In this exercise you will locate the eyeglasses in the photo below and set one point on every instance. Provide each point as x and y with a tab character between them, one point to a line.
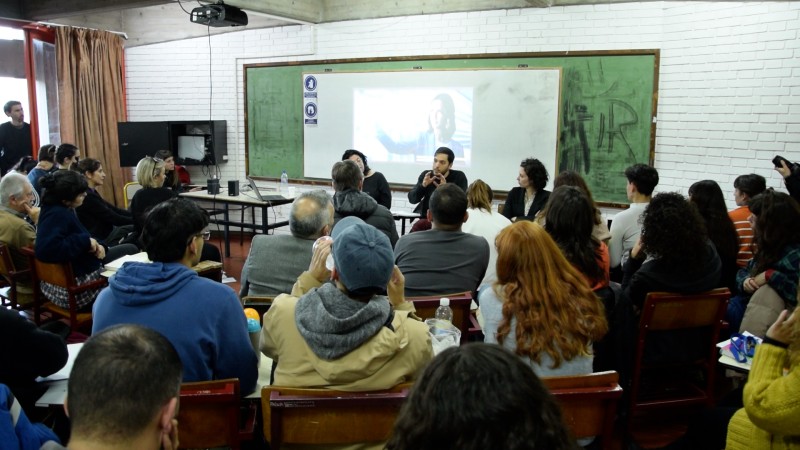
206	236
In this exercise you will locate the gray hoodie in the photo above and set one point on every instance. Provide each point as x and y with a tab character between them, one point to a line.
351	202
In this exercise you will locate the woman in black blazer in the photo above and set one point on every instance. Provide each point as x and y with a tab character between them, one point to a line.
525	201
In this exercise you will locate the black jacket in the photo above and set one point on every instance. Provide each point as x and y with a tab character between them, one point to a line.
422	195
100	217
515	204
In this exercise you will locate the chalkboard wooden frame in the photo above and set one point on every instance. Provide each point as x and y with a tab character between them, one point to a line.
590	101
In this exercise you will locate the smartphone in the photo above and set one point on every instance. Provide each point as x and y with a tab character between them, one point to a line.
777	161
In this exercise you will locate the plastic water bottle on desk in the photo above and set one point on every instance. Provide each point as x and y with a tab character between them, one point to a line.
443	312
284	182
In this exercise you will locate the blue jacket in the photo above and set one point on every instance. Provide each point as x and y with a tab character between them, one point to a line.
16	431
203	319
60	237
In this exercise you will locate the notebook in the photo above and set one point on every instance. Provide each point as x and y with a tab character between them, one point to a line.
259	195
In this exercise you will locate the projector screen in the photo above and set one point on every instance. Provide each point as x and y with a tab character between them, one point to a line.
491	119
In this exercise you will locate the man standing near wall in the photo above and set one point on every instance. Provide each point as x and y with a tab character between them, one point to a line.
15	137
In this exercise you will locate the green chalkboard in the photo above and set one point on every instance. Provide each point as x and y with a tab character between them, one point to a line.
607	105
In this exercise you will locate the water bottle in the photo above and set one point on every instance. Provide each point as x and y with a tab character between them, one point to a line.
284	182
443	312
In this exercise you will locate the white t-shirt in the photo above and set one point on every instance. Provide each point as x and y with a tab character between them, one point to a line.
625	229
488	226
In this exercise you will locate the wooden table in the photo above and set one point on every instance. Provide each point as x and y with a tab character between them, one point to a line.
241	200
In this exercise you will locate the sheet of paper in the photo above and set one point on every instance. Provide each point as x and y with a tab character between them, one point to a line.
117	263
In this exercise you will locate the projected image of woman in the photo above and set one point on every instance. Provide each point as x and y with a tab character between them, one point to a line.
440	132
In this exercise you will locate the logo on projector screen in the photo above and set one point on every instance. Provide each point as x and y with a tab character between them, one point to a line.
311	113
310	83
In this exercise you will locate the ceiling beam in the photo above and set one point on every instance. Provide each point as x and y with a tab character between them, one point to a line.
301	11
48	9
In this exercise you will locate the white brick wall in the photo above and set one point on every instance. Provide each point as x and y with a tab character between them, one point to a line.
729	84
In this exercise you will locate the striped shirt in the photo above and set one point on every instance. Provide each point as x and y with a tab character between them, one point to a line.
744	229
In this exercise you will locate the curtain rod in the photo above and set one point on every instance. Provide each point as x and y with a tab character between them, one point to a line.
119	33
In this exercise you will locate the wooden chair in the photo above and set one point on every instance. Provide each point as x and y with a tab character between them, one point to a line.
658	385
459	303
60	274
324	416
11	296
588	404
128	190
211	415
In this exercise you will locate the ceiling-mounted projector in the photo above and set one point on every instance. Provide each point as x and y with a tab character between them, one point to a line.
219	15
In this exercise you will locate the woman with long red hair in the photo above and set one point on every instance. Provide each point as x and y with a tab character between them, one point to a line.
541	307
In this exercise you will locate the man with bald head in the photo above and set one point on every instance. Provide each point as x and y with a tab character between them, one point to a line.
275	261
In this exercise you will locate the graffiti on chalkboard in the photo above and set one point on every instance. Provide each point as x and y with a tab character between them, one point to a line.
600	127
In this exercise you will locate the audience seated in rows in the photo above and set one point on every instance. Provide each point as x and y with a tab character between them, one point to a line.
485	223
625	227
46	164
123	392
745	187
61	238
532	309
150	172
346	334
527	199
348	200
203	319
67	155
571	178
478	397
707	196
17	221
375	184
775	217
276	260
569	219
176	177
672	254
443	260
104	221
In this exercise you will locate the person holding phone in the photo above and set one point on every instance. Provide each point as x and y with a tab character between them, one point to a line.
791	175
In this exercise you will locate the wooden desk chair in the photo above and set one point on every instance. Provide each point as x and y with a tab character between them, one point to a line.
210	415
128	190
588	403
11	296
459	303
324	416
60	274
658	385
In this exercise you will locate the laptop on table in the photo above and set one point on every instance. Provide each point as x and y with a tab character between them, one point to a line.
263	197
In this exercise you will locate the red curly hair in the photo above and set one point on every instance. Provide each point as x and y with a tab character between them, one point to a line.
557	313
